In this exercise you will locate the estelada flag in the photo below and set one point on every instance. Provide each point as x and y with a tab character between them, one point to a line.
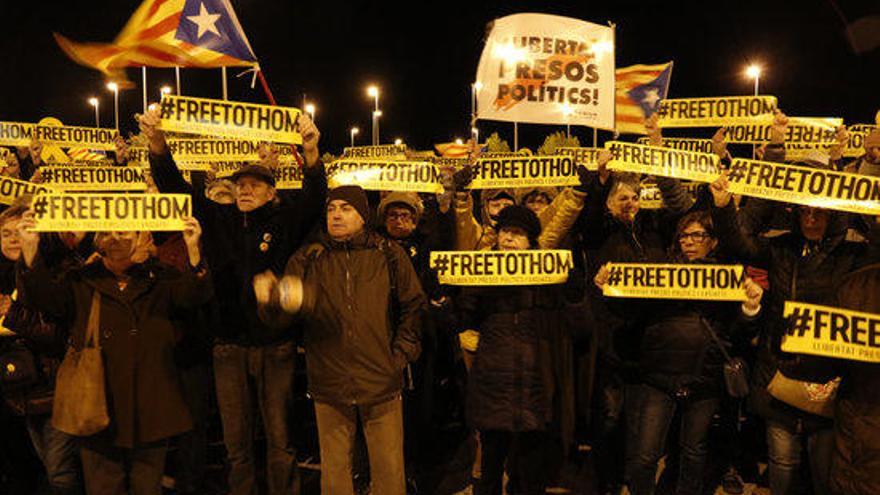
169	33
639	90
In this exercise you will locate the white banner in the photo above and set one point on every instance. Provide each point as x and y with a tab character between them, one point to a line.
547	69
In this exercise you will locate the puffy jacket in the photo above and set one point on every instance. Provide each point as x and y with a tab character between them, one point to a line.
556	221
144	398
797	271
240	245
855	463
358	336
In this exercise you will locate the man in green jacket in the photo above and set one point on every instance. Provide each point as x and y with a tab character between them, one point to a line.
362	306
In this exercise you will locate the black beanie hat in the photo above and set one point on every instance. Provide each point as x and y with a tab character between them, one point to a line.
522	217
353	195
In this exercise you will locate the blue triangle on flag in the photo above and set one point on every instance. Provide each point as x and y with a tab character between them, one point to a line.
648	95
210	24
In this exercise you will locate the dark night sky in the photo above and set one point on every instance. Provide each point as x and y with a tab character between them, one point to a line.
424	55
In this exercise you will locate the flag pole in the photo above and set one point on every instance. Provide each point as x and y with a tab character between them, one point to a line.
144	85
266	87
177	79
595	137
225	89
515	137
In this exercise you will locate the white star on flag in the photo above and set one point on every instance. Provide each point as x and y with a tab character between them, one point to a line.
205	21
651	97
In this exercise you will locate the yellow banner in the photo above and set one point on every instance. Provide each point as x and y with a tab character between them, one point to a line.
667	162
684	144
16	133
506	154
855	147
710	112
527	267
449	162
526	171
110	212
801	130
588	157
288	175
384	151
139	156
232	119
805	186
650	197
831	332
93	138
95	178
218	150
86	163
676	281
381	175
11	189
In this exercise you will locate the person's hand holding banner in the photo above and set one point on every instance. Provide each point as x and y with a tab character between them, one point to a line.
36	151
655	137
192	233
605	156
463	177
310	137
841	139
30	240
719	143
754	292
602	276
121	150
149	125
779	128
721	190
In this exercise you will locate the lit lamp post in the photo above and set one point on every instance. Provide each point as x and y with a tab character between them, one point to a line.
458	141
164	90
475	90
475	133
373	91
95	103
310	109
566	112
398	142
354	132
115	88
754	71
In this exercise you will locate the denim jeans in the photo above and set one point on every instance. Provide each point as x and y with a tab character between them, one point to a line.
59	453
263	374
383	430
785	450
657	410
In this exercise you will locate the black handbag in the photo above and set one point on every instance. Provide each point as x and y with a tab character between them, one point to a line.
736	370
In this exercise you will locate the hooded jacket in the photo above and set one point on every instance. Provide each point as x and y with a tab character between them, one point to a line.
359	336
240	245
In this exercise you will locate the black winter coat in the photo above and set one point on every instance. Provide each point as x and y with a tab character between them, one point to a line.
511	386
240	245
797	271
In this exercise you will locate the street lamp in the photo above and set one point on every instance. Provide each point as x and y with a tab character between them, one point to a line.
310	109
95	103
112	86
458	141
475	133
354	132
754	71
164	90
398	142
373	92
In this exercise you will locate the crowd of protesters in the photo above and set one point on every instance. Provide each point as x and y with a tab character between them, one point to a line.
538	374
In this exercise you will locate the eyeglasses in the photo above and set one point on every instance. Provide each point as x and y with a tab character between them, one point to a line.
695	236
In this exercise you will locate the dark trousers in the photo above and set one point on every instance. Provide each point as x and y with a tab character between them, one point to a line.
522	453
57	451
263	374
383	431
192	446
657	410
109	470
785	452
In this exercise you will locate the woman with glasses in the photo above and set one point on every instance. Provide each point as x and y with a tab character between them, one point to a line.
681	363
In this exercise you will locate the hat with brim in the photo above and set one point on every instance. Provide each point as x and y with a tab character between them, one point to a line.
257	171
